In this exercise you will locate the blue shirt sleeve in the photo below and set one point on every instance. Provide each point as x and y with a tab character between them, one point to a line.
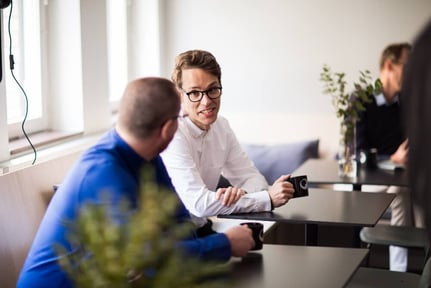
213	247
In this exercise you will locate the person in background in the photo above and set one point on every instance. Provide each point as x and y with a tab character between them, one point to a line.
146	124
380	127
380	124
205	147
417	112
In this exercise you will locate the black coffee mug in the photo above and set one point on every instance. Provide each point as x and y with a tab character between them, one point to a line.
372	158
257	229
300	184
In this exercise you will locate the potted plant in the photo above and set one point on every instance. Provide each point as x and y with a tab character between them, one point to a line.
348	106
141	252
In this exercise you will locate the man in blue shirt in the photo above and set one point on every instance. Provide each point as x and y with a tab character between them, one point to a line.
146	124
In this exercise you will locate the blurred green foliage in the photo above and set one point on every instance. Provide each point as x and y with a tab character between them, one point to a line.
141	251
348	105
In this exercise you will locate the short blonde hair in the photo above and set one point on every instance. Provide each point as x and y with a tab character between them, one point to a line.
195	59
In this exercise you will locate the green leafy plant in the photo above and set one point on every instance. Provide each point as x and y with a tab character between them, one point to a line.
141	251
349	104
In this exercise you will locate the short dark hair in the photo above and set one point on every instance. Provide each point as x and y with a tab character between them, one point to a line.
394	52
195	59
146	104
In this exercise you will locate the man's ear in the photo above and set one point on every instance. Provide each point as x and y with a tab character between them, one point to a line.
168	129
388	65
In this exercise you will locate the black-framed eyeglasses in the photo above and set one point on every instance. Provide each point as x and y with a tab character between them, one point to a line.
196	95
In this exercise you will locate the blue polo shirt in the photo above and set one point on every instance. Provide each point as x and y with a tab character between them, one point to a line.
110	166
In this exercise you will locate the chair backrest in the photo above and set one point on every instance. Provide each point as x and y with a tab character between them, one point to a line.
404	236
425	281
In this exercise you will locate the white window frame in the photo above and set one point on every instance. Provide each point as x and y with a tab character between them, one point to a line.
117	36
75	82
28	66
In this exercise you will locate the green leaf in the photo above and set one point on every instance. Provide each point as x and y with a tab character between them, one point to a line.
147	240
347	105
359	106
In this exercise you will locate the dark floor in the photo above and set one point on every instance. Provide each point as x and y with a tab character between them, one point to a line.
337	236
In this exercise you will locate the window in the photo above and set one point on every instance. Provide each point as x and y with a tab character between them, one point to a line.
25	31
117	49
28	44
72	59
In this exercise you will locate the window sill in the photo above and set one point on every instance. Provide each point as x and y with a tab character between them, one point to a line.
39	140
49	145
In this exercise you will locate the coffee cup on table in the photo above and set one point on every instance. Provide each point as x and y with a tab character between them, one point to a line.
300	184
257	229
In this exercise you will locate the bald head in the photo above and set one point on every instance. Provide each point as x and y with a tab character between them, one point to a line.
147	103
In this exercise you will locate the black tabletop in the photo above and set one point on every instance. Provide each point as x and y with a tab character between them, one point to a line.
323	171
324	206
297	266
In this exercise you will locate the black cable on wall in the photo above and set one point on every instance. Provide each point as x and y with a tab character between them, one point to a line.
12	66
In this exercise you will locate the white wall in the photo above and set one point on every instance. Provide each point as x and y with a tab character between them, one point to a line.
272	51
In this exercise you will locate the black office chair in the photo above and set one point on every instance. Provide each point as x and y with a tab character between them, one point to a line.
408	237
376	278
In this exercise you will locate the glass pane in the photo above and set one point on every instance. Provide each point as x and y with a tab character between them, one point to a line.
25	36
117	47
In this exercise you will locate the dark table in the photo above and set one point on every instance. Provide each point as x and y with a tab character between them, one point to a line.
297	266
324	206
323	171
